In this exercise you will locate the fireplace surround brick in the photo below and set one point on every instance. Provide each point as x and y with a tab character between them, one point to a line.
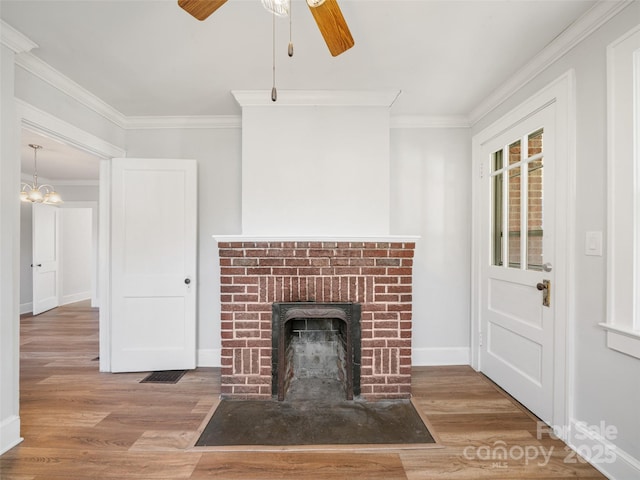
254	275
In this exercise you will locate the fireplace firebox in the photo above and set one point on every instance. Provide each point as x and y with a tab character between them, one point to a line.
316	350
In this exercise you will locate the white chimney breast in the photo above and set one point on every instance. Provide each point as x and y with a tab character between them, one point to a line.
315	163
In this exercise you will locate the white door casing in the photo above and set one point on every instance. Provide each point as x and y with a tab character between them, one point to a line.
153	251
46	255
506	303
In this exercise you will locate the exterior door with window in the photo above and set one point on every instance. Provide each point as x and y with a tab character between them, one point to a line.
517	304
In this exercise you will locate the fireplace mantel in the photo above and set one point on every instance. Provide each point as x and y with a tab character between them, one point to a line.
316	238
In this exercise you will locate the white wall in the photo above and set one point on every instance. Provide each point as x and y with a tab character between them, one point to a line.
430	197
321	170
77	254
606	384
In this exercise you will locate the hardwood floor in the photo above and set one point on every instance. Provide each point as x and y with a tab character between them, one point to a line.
81	424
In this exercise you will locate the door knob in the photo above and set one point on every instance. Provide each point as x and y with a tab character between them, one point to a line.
547	267
544	286
187	280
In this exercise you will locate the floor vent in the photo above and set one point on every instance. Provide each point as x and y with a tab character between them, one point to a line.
167	376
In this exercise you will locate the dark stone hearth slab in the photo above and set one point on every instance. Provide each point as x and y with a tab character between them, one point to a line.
265	422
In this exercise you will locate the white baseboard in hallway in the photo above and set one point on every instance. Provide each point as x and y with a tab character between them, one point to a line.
75	297
26	308
436	356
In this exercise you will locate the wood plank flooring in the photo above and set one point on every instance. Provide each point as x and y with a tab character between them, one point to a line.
81	424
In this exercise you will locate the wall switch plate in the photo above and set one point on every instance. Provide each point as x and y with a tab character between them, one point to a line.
593	244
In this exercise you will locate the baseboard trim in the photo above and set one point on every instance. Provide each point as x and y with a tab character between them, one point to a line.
26	308
441	356
589	442
76	297
209	357
9	433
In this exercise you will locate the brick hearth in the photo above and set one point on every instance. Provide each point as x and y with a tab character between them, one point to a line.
254	275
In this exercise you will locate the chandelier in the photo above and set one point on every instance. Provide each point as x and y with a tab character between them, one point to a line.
35	193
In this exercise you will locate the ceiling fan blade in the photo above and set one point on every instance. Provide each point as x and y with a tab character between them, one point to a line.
333	27
201	9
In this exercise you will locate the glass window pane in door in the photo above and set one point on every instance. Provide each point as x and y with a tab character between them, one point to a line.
496	161
496	222
535	204
497	226
515	214
514	153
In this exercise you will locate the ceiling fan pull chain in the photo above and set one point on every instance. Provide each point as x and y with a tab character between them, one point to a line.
274	92
290	50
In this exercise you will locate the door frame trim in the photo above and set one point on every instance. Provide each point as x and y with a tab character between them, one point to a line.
561	93
43	123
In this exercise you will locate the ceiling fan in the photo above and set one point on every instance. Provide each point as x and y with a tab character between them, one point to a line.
326	13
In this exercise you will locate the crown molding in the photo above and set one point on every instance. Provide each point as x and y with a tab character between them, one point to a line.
593	19
421	121
26	178
44	123
46	72
314	98
14	39
203	121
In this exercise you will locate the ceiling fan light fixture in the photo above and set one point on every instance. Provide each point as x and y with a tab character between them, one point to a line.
277	7
315	3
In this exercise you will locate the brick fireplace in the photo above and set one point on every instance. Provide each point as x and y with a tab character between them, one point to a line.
377	275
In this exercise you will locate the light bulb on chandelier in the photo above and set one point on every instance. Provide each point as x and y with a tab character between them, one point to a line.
277	7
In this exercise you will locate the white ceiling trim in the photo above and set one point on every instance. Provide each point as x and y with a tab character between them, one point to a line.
420	121
201	121
46	72
593	19
15	40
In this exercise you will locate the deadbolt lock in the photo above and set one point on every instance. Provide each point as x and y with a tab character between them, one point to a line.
545	288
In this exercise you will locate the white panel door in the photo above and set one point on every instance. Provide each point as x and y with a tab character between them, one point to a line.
45	257
154	218
517	324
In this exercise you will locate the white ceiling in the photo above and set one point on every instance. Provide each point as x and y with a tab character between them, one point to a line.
149	57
